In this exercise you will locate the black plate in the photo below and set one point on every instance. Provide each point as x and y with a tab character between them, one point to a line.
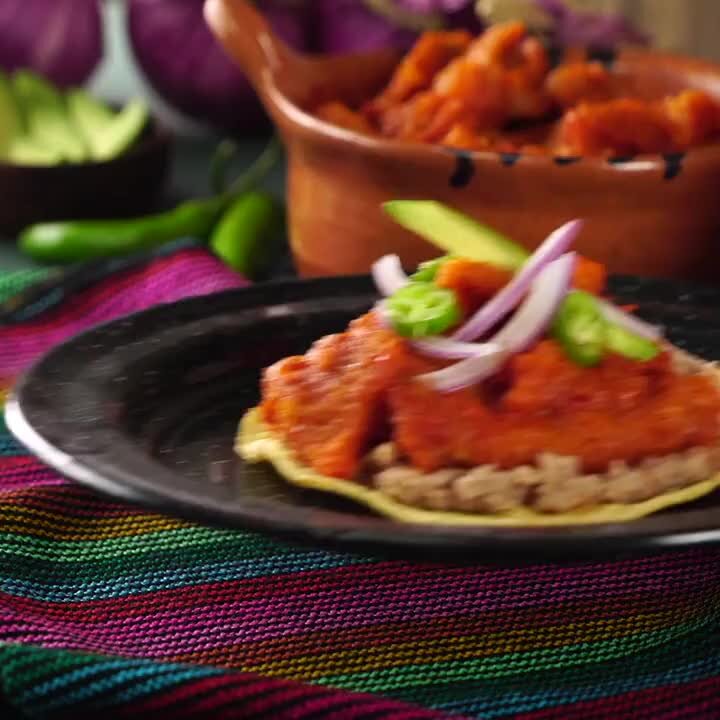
145	409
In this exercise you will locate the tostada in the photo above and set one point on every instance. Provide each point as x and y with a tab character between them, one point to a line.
492	387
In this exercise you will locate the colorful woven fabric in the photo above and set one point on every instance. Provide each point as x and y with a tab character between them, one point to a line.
106	608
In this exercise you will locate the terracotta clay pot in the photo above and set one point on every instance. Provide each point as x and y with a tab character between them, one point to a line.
653	215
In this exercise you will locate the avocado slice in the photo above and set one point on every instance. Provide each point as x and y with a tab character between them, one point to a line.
46	118
456	233
90	115
10	119
23	151
122	131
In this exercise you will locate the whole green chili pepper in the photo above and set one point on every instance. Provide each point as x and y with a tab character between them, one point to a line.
247	236
223	156
72	241
66	242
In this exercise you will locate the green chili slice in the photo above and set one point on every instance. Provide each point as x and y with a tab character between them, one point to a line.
420	309
581	328
623	342
427	271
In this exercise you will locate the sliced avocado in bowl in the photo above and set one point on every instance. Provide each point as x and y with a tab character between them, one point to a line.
89	115
110	136
43	125
46	119
16	146
23	151
10	118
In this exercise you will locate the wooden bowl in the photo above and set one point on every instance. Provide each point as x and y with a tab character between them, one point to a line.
650	215
127	186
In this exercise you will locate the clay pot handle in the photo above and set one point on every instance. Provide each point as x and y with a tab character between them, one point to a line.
246	36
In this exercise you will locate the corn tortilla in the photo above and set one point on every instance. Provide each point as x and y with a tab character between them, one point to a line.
257	443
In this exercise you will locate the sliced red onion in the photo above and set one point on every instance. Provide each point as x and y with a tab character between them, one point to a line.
631	323
526	326
389	275
509	297
382	312
448	349
486	362
540	306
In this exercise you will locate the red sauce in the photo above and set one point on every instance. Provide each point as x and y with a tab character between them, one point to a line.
622	410
330	404
467	92
475	282
358	388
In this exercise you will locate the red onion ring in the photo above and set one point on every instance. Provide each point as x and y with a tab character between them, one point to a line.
388	275
528	324
508	298
539	308
471	371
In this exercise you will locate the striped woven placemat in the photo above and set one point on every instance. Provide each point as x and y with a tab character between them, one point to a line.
107	608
